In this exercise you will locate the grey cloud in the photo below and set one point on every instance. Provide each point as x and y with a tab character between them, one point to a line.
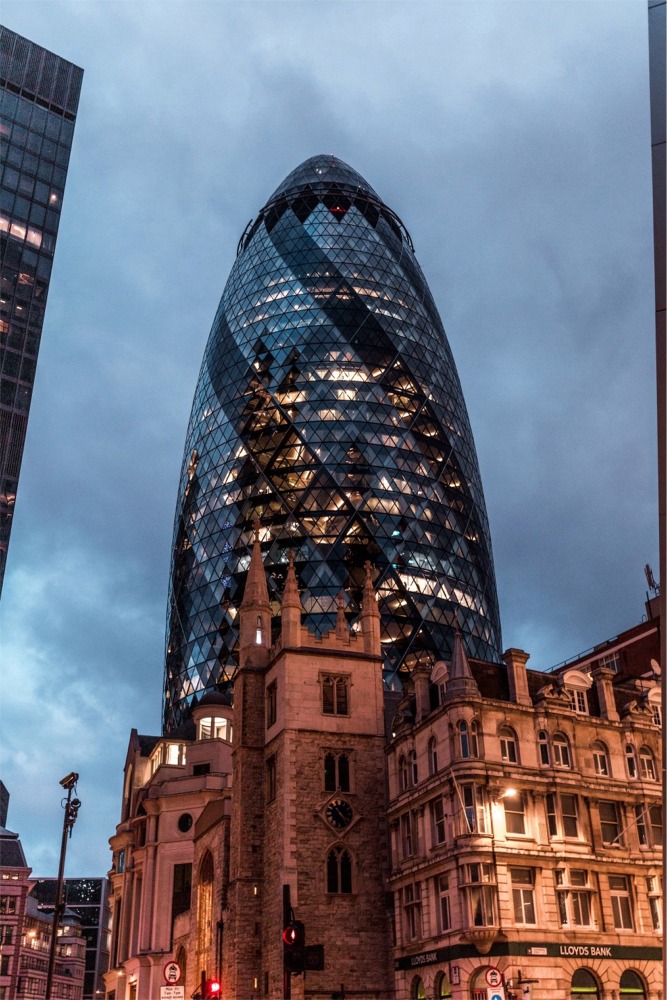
511	138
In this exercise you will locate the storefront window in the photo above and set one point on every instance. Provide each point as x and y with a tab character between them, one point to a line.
584	986
443	987
418	991
632	984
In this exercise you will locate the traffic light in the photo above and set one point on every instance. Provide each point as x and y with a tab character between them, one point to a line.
212	989
294	947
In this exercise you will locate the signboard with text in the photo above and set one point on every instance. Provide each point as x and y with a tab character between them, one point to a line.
172	993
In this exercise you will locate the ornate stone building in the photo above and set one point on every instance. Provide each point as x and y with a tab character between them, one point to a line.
165	884
307	812
503	828
526	822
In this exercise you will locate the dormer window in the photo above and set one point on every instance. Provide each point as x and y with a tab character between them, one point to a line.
576	684
579	701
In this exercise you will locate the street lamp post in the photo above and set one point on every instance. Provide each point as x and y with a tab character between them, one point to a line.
71	807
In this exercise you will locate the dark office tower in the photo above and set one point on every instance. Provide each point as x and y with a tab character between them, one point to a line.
89	899
328	407
39	94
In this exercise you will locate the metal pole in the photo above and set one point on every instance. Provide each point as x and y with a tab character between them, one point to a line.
287	918
71	809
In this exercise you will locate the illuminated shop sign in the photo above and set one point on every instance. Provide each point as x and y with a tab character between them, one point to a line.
518	948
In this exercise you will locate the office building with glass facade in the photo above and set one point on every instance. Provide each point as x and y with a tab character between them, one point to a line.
39	96
329	408
88	899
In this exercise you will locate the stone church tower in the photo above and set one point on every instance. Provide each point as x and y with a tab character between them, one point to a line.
309	800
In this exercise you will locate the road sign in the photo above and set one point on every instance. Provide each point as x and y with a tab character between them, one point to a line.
495	993
493	976
314	958
172	993
171	972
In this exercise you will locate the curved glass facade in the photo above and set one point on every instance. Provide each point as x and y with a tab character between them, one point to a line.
329	407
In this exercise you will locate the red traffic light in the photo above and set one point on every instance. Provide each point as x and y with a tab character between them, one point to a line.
293	935
212	989
294	950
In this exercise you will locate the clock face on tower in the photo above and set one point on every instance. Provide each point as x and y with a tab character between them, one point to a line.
339	813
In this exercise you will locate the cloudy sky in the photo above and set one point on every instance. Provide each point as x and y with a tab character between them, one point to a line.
513	140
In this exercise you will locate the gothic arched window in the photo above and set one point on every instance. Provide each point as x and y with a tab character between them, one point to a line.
464	739
339	870
433	755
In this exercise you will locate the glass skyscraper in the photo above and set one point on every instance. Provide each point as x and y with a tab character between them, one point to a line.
39	96
89	899
329	408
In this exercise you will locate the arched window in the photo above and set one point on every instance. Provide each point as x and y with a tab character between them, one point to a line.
403	779
646	764
508	745
600	759
336	772
464	739
417	989
632	984
205	912
329	772
631	760
344	772
334	695
433	755
339	870
584	986
561	751
474	738
258	631
414	773
543	745
442	986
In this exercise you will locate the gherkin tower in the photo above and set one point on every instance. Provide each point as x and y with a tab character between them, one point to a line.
329	408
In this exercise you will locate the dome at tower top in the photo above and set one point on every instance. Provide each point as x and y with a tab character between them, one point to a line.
323	171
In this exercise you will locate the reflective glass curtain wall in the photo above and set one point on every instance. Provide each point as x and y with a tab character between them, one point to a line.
328	407
39	96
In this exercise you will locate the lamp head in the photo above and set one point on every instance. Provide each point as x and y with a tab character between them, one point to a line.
508	793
